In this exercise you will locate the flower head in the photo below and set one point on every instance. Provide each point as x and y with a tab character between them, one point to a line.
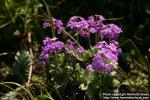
89	68
58	24
46	41
95	23
111	31
45	25
70	46
96	20
50	46
55	47
110	51
84	33
80	50
100	64
77	23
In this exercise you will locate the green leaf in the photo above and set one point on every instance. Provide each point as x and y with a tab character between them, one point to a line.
37	79
83	86
4	25
116	83
43	97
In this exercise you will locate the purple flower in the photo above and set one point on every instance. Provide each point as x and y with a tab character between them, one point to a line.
113	46
50	46
109	54
58	24
100	17
89	68
44	56
69	46
46	41
80	50
77	23
92	30
110	51
45	25
111	31
95	23
108	68
84	33
99	64
96	20
55	47
101	44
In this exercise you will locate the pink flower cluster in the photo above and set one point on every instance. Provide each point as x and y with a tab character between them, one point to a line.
107	52
50	45
94	24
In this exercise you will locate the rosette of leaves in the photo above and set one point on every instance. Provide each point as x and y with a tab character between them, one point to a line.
20	67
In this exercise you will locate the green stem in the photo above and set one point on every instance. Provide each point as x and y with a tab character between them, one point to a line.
4	25
58	93
71	37
96	38
77	37
101	84
49	95
50	18
89	41
56	64
130	41
115	18
67	78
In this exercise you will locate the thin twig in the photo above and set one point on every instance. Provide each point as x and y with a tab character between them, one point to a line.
32	56
120	18
134	45
71	37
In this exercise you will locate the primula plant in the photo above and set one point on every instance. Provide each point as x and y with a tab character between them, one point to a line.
78	63
79	58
